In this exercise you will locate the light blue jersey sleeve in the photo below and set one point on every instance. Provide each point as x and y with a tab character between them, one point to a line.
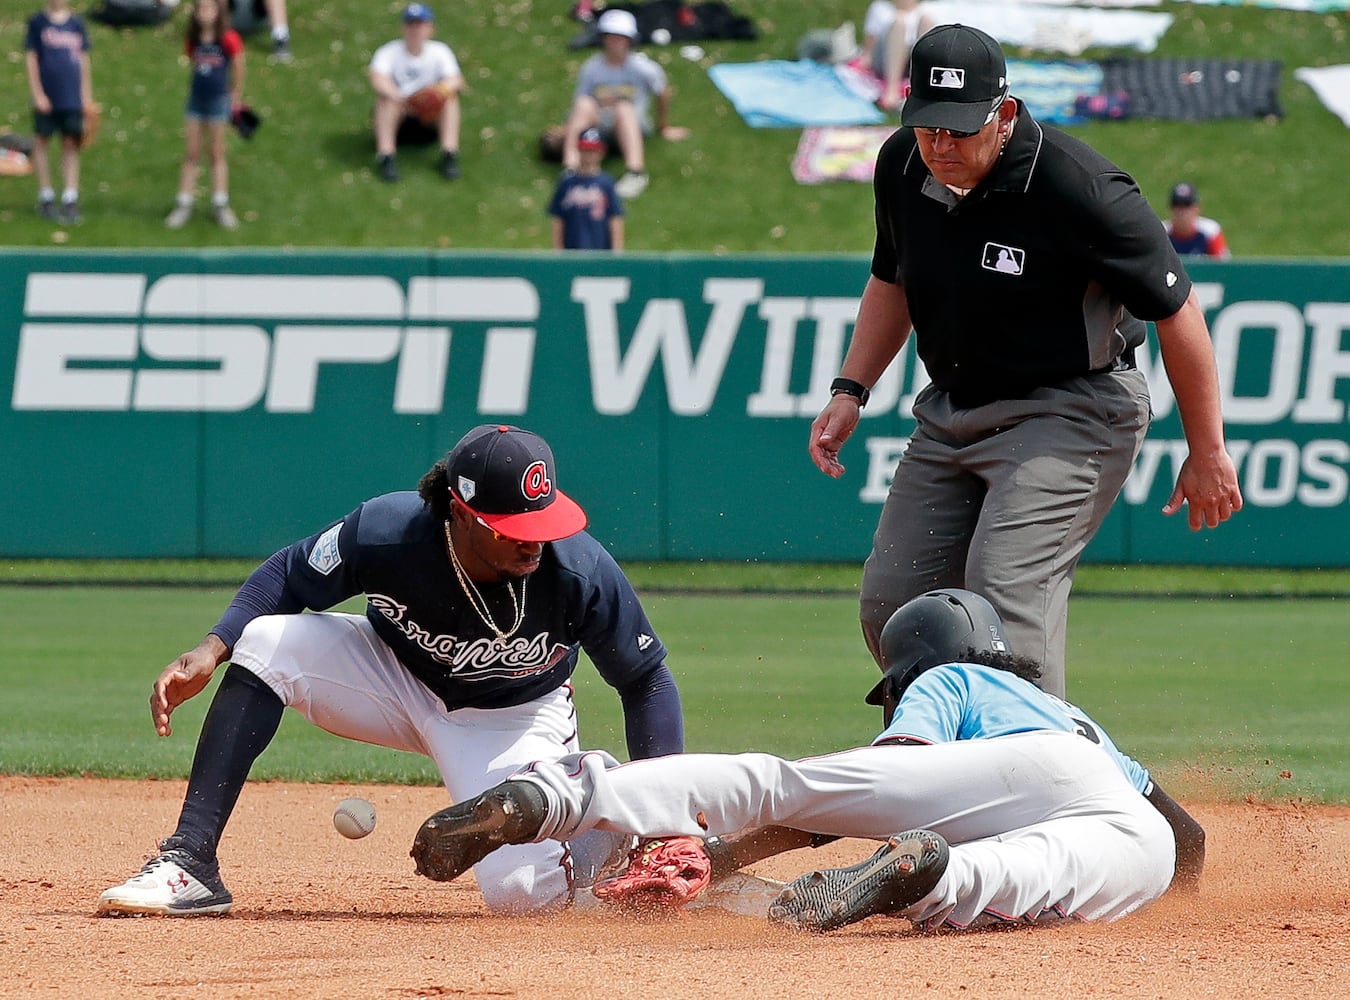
965	701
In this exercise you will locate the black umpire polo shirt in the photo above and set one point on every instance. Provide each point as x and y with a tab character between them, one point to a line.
1039	274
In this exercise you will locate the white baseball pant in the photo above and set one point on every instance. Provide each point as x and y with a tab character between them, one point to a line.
1041	821
336	671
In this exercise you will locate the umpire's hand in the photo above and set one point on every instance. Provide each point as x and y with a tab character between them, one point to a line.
830	430
184	678
1208	486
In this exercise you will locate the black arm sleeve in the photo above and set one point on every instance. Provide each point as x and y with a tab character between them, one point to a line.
1190	839
653	719
263	593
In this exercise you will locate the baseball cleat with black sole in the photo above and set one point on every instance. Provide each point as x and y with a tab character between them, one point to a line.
453	840
171	884
898	875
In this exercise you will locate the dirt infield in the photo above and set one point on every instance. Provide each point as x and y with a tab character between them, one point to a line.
319	916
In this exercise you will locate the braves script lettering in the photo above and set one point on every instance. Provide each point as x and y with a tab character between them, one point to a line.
477	659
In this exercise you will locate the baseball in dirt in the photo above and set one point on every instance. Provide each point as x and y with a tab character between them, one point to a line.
354	818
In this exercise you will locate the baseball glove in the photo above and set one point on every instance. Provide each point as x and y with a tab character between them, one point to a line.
245	120
426	104
93	118
661	874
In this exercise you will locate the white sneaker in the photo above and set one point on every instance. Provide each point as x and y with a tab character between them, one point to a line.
173	884
225	217
178	218
631	184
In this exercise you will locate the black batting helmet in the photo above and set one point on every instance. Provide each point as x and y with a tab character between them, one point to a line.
934	628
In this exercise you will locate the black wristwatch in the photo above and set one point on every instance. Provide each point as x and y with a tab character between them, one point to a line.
848	387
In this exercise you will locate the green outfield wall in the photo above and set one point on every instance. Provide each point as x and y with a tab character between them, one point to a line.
225	403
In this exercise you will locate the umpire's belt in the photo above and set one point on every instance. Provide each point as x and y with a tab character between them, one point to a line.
1124	363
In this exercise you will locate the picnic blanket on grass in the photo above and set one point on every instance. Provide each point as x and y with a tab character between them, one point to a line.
1196	89
1049	28
1050	89
839	153
778	93
1331	84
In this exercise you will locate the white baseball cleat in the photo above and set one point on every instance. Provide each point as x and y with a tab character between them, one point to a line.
173	884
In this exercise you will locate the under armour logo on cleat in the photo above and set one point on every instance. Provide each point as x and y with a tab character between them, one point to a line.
177	883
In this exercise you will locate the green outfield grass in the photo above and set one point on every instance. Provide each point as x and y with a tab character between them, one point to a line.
728	577
1218	696
306	180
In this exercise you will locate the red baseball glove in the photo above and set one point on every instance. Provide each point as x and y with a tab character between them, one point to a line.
426	104
661	874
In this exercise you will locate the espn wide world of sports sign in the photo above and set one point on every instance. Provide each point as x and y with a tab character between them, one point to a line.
215	404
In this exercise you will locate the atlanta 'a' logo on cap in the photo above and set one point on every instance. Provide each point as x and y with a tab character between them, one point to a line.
947	77
535	483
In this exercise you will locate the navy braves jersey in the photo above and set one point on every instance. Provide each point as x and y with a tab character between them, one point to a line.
585	203
1206	240
1039	274
211	63
394	552
967	701
59	48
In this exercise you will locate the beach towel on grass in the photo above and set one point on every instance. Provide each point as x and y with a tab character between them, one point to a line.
777	93
1196	89
839	153
1320	6
1331	84
1048	28
1050	89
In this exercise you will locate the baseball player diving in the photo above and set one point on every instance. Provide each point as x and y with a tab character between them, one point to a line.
997	802
481	587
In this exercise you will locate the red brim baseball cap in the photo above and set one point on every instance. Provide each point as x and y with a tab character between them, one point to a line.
560	519
507	477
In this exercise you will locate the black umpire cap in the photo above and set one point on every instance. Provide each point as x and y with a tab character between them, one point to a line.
958	78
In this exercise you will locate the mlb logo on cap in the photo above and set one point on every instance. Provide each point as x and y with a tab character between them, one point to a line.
952	77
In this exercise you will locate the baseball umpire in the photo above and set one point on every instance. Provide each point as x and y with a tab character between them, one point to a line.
481	587
1023	810
1025	263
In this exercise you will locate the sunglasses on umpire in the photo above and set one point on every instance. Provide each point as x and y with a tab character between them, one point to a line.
951	133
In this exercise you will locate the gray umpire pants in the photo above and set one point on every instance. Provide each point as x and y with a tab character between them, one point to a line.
1002	499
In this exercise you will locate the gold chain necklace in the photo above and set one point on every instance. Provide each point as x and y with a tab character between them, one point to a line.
476	600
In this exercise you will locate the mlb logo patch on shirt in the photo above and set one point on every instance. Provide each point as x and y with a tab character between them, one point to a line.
325	556
1004	259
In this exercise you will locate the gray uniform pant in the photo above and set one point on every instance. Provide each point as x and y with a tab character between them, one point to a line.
1002	499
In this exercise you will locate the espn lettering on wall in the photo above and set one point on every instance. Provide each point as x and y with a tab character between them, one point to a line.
218	404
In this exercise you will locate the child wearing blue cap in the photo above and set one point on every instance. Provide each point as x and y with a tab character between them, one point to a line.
417	81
